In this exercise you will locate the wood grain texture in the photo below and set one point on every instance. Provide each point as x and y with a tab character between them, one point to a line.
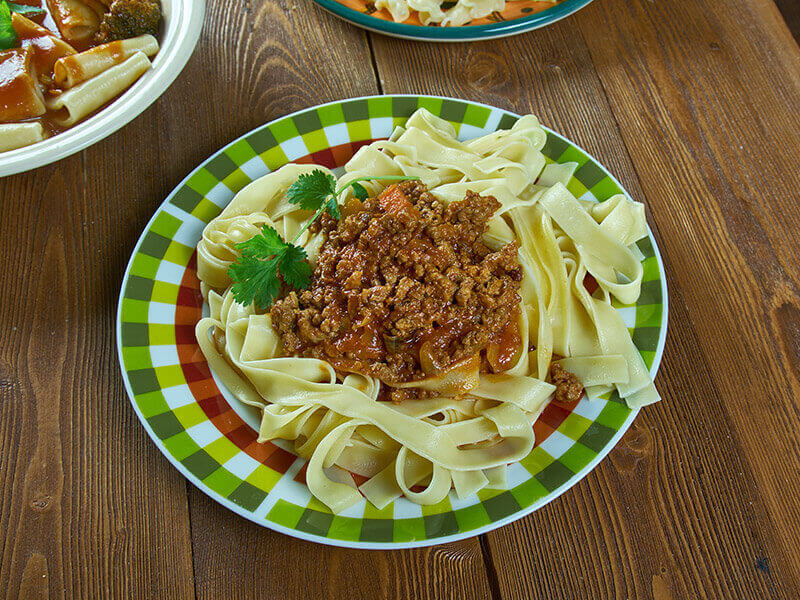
723	108
88	510
270	565
690	508
694	109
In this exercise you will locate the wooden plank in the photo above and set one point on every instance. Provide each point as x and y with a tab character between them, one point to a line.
790	9
680	515
716	156
88	507
285	57
271	565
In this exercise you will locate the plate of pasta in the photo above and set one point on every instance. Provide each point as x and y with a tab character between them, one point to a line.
452	21
392	321
74	71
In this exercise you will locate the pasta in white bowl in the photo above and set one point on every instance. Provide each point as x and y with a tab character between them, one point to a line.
77	71
391	415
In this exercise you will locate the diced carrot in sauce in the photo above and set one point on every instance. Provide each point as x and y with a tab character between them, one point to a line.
395	202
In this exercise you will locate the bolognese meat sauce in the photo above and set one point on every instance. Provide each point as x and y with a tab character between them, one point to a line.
404	287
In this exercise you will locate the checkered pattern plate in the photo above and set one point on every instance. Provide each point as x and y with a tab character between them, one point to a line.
210	437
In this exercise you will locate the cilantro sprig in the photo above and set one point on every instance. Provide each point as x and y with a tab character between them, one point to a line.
267	261
24	9
263	257
8	35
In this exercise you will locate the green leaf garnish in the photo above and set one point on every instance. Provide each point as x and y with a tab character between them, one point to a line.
255	281
8	36
267	260
294	267
311	190
24	9
359	191
264	257
267	243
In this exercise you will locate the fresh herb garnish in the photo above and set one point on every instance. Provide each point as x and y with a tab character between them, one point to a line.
256	272
24	9
266	259
8	36
312	190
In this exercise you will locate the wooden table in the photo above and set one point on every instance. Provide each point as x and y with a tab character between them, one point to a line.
692	104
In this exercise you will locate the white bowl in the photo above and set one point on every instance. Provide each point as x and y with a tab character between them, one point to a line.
183	20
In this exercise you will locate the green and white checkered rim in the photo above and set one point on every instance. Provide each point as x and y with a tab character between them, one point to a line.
210	437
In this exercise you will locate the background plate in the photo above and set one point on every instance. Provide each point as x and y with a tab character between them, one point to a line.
183	21
518	16
210	437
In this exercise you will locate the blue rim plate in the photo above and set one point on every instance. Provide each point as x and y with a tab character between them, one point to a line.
462	33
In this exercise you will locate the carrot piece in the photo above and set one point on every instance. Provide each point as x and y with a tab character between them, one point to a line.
395	202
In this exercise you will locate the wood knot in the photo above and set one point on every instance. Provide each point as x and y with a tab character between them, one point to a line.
786	317
7	380
486	73
762	564
41	501
454	553
635	446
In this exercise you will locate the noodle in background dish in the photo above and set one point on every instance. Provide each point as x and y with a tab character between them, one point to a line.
423	448
432	12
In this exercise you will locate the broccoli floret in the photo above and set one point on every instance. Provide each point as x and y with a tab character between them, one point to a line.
129	18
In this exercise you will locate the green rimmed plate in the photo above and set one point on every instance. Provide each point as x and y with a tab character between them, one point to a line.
210	437
517	16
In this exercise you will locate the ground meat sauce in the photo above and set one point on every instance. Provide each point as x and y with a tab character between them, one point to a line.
404	287
568	387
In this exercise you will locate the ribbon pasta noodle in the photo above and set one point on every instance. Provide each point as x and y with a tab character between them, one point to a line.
431	12
473	424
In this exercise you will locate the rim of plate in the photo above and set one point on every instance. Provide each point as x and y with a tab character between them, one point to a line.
184	22
391	545
461	33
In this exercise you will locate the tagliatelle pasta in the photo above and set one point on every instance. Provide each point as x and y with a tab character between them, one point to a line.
424	447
